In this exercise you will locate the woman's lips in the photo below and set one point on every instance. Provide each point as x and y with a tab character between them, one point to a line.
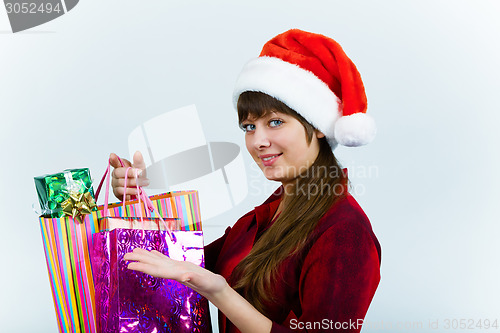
268	160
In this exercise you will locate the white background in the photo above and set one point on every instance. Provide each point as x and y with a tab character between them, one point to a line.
72	89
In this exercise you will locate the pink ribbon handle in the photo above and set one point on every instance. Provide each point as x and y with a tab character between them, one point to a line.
148	204
141	196
106	195
106	173
106	177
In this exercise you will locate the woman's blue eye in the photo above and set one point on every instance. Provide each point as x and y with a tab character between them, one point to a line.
275	122
247	127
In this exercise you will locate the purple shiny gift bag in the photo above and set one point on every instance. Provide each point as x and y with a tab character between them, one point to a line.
130	301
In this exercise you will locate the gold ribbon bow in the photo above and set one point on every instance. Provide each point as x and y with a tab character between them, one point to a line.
78	204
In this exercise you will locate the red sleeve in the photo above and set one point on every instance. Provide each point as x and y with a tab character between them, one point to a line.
338	280
213	249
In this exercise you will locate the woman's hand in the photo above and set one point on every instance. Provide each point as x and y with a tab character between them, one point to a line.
118	175
195	277
212	286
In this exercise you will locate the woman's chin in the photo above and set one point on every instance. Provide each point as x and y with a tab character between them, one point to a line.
273	176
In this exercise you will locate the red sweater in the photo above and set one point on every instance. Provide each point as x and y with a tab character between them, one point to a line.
330	289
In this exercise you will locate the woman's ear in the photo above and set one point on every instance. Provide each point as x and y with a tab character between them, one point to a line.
319	134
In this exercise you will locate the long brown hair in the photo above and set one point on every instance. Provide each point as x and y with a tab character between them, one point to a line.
302	210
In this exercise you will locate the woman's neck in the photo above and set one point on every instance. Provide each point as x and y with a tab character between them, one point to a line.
288	189
279	209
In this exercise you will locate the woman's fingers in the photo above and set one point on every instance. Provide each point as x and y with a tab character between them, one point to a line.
115	161
131	183
138	266
118	190
165	264
139	163
155	264
118	176
158	254
118	182
119	173
146	256
159	265
138	252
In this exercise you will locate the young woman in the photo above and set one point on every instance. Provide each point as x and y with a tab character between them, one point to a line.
307	258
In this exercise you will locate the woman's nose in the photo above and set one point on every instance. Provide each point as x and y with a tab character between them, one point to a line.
261	139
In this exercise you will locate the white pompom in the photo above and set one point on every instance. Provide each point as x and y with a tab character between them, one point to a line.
355	130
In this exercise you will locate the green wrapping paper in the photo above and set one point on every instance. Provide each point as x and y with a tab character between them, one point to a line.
58	191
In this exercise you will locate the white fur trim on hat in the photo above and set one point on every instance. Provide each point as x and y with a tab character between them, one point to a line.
355	130
298	88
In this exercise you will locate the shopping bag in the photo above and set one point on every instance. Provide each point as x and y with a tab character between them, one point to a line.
130	301
111	223
176	204
67	242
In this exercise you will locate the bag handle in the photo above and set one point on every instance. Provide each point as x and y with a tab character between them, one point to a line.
106	177
125	190
148	204
106	173
141	194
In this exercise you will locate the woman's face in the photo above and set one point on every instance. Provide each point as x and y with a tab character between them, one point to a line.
278	144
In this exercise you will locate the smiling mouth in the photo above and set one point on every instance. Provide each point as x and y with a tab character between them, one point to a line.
271	157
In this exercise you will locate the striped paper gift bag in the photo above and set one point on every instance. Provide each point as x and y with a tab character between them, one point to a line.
177	204
68	243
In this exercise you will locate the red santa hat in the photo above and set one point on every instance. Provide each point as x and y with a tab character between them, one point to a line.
312	75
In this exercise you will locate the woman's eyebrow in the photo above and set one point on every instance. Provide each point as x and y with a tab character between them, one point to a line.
253	118
269	114
266	115
248	119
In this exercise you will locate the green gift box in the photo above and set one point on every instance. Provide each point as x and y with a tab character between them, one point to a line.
55	191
